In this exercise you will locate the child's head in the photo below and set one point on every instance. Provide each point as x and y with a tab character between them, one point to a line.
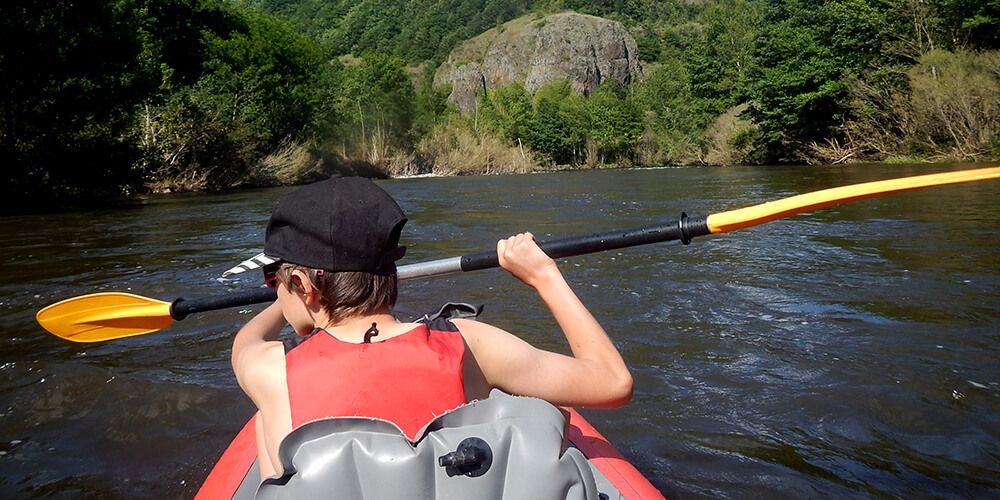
343	294
342	234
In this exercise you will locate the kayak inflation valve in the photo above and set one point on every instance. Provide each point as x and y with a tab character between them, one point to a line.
472	458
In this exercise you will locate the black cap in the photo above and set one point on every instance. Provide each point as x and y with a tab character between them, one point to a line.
340	224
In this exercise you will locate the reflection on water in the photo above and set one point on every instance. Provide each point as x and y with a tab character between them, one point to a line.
848	352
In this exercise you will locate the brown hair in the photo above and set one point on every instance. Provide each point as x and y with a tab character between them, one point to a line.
345	294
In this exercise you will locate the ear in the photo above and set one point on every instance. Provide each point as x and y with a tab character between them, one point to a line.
303	285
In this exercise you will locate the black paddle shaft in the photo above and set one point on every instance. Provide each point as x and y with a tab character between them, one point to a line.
181	308
682	229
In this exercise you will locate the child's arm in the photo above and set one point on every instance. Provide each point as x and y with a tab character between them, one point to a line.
595	375
263	327
259	364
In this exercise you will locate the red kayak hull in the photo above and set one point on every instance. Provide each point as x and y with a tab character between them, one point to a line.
232	467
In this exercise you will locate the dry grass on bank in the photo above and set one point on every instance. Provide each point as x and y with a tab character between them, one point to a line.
667	148
723	138
451	148
185	181
950	110
403	164
455	148
290	163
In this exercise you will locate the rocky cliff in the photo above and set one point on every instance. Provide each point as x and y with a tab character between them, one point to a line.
585	50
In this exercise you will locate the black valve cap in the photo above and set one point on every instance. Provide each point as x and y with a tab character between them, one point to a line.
472	458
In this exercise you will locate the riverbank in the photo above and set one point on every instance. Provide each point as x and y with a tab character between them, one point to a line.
451	151
472	156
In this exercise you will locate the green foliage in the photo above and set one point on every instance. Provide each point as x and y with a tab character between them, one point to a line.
634	11
556	126
720	58
667	96
648	46
673	119
920	26
413	31
968	24
376	96
430	104
101	97
950	108
172	35
615	122
69	81
559	124
260	83
506	110
801	59
264	77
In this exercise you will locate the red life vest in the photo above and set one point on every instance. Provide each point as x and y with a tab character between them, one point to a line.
408	379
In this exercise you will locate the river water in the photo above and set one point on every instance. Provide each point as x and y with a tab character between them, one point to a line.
853	351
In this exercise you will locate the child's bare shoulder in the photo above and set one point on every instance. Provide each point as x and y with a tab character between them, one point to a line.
262	366
474	328
483	336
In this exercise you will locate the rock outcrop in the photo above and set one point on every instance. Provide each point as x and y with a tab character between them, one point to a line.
585	50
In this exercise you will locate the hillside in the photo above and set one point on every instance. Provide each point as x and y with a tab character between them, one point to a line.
414	30
427	30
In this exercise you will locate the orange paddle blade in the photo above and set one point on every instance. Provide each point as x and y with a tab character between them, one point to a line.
732	220
104	316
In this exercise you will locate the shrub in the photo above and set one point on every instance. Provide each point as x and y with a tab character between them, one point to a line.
946	107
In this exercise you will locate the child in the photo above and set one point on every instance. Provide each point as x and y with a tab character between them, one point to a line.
337	242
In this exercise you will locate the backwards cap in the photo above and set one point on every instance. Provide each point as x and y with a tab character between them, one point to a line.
339	224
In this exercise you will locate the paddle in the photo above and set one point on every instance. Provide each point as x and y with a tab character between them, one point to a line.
113	315
106	316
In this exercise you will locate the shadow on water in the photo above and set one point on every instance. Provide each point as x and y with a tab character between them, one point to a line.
847	352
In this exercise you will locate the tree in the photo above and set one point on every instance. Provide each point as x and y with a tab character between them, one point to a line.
968	24
413	31
802	56
720	59
430	104
949	108
259	84
376	103
69	80
506	110
615	123
673	118
557	124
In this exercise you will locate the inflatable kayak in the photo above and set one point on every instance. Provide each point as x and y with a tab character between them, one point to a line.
501	447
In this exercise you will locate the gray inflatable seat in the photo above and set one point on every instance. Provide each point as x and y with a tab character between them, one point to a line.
504	447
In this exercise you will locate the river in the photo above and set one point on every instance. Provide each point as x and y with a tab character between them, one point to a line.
853	351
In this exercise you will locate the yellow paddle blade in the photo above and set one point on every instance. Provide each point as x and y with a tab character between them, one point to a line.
104	316
732	220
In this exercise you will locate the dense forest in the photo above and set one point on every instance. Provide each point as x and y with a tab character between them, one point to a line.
102	98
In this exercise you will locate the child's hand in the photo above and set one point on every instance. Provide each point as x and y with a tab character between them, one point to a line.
521	256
